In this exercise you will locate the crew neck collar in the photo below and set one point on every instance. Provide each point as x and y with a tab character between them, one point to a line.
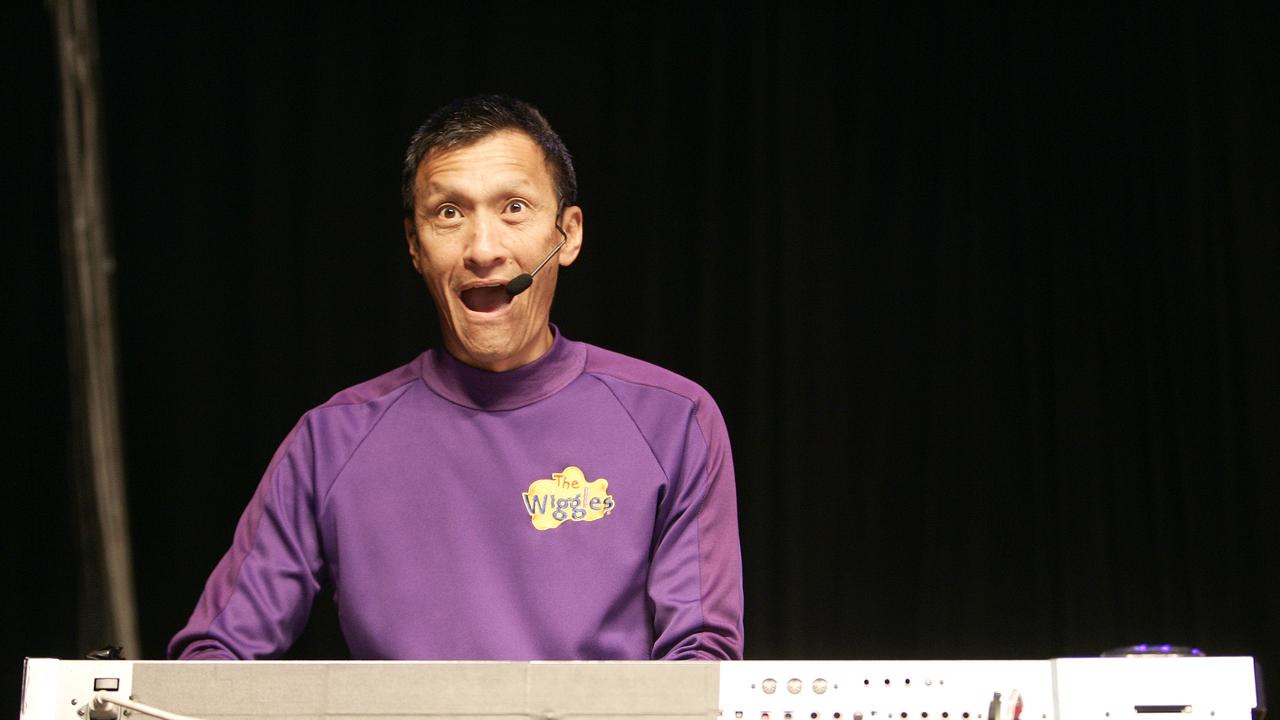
486	390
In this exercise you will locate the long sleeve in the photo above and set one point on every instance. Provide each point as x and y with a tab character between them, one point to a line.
259	597
695	580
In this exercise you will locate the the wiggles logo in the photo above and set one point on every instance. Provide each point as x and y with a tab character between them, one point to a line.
567	496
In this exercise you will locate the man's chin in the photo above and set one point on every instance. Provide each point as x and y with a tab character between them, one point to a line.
494	350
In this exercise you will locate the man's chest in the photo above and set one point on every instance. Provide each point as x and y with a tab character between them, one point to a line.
575	478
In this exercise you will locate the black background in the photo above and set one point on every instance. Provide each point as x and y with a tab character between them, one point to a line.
987	297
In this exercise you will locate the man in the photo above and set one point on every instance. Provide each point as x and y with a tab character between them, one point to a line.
518	496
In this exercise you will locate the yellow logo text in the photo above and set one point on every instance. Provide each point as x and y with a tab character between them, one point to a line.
567	496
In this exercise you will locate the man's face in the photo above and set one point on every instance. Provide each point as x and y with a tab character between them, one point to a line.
483	214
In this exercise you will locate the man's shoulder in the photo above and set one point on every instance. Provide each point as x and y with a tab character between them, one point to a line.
608	364
344	420
387	386
634	381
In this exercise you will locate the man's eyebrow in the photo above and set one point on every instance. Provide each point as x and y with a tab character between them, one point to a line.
505	189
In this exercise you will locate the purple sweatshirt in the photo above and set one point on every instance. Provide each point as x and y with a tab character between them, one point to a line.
580	507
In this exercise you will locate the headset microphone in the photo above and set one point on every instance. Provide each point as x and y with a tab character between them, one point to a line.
521	282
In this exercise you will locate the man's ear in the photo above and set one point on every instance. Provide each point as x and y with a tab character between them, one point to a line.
411	236
571	223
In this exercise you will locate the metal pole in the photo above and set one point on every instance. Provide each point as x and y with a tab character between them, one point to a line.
87	270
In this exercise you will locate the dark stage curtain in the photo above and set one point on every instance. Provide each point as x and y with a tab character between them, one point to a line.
988	298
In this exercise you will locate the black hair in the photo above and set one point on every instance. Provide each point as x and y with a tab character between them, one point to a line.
468	120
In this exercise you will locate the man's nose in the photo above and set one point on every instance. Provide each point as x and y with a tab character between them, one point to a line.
486	248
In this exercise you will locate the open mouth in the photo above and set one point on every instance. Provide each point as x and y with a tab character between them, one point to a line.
486	299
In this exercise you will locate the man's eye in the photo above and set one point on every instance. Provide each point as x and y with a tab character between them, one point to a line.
448	212
516	206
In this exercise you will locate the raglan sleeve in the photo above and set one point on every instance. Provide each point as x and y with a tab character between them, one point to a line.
695	581
258	599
